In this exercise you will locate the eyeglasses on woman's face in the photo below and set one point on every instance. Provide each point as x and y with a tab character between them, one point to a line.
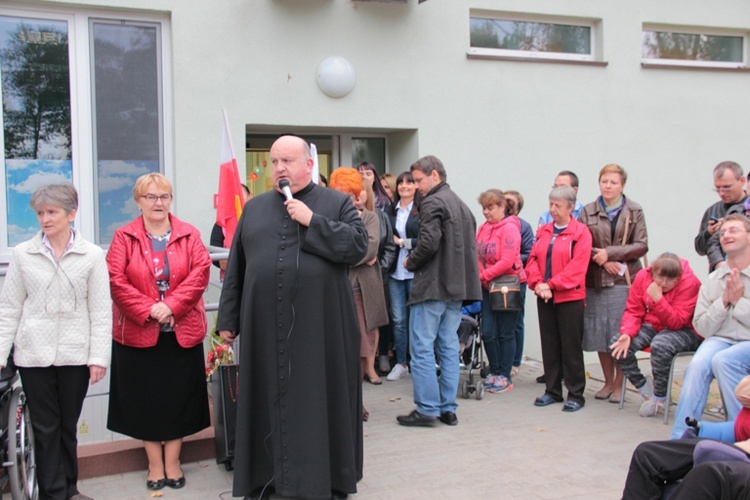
152	198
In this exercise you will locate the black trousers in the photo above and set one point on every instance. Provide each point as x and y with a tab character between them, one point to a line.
55	397
715	481
561	330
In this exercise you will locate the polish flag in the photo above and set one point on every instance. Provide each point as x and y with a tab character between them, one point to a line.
231	197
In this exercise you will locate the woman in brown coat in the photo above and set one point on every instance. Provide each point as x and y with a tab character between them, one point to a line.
365	277
620	239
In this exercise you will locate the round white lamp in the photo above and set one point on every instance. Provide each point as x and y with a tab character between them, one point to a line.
336	76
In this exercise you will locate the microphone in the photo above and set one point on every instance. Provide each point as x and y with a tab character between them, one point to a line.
284	186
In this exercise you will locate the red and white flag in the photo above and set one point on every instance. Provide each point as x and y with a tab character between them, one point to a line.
231	196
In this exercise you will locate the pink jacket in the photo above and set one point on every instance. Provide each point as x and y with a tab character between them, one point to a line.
133	284
499	250
673	312
571	252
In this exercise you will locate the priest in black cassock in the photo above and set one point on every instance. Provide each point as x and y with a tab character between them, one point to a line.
299	420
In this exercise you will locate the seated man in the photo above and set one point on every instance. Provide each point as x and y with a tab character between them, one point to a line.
657	463
658	313
722	317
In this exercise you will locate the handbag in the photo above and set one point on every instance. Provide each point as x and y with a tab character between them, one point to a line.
505	293
505	290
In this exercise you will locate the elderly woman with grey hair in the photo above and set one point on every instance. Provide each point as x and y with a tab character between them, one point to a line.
556	272
57	312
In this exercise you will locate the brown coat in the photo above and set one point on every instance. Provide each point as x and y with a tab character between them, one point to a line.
635	247
369	278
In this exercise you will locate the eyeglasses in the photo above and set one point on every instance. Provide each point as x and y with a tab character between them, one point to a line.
734	231
722	189
151	198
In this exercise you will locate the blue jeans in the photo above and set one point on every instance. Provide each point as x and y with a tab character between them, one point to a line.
433	325
716	357
518	357
399	290
498	337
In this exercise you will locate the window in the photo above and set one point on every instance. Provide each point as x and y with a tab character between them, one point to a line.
693	47
510	35
79	89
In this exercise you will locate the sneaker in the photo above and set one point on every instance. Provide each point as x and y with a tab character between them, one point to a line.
501	384
489	380
651	407
397	372
647	390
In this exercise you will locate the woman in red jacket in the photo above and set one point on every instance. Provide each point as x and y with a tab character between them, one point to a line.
499	254
556	272
159	269
658	313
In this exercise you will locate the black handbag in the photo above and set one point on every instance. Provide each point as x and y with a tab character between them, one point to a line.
505	293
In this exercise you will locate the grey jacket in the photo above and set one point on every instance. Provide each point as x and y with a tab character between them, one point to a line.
444	262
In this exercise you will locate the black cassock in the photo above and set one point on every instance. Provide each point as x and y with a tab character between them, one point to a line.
286	292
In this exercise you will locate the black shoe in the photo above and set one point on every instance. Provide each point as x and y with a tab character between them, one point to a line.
261	493
416	419
156	485
448	418
546	399
540	379
338	495
570	406
175	483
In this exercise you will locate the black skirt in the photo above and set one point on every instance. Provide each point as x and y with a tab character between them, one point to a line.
158	393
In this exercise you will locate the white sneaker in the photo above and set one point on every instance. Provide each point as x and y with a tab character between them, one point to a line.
647	391
397	372
650	407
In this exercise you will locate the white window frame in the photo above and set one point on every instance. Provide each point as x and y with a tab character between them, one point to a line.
488	53
697	30
81	105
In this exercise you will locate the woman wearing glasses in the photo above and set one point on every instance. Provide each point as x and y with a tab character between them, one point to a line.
56	310
158	270
658	313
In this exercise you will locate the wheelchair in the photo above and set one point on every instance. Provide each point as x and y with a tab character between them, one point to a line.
16	440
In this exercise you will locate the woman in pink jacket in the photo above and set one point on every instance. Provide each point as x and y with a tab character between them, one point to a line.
158	269
499	254
556	271
658	313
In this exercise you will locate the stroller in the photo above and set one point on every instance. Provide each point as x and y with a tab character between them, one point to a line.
471	354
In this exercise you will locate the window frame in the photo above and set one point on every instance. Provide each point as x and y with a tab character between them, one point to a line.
84	172
696	30
594	24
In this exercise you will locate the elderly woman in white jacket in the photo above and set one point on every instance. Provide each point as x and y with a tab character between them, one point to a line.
57	312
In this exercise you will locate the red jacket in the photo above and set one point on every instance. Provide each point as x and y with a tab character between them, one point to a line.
673	312
571	252
499	250
133	284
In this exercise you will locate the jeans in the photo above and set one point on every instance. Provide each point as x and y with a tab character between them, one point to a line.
725	360
399	290
433	325
518	357
498	337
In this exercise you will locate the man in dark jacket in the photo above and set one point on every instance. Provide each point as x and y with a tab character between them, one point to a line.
729	182
287	294
445	270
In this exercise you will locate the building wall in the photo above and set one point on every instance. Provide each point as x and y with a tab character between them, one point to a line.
504	124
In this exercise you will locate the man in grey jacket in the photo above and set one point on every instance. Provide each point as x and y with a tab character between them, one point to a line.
444	264
729	183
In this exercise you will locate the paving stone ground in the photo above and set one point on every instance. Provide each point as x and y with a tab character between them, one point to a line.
504	447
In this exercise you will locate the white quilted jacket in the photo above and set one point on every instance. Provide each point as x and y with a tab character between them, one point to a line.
56	314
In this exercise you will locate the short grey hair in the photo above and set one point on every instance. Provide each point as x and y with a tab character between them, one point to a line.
565	193
64	196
